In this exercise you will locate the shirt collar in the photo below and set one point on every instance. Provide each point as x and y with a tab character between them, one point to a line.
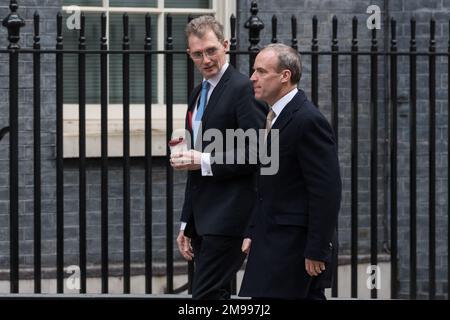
280	104
213	81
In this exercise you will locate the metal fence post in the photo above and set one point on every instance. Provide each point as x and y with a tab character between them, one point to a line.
13	22
254	25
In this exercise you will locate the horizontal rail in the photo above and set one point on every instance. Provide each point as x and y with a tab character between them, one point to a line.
349	53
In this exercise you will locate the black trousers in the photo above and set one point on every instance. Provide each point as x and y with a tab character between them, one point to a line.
316	294
217	259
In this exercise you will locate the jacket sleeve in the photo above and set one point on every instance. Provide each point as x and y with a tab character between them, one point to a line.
186	211
317	154
252	223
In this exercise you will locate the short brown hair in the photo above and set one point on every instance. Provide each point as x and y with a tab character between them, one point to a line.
199	26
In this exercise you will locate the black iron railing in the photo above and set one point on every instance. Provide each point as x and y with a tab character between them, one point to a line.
14	22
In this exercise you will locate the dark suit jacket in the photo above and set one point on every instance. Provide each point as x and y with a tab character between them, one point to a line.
296	210
222	204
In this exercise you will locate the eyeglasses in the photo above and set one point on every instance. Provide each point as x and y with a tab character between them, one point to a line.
210	53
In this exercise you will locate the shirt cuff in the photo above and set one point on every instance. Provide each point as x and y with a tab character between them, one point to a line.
206	164
183	226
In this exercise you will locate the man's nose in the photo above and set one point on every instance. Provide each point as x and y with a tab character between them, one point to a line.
206	59
253	77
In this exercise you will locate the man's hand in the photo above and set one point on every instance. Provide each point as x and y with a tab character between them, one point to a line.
184	245
186	160
246	243
314	267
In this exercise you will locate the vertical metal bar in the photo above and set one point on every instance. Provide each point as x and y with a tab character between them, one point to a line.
14	169
335	125
432	163
274	29
126	156
252	58
393	160
148	156
254	25
354	161
13	22
37	154
190	63
190	88
294	42
335	79
59	161
373	155
314	64
413	165
169	170
82	151
233	43
448	165
104	150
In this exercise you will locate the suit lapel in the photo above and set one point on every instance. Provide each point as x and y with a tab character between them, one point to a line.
288	112
215	96
212	102
194	96
190	111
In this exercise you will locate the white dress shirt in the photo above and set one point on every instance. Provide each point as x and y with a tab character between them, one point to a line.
280	104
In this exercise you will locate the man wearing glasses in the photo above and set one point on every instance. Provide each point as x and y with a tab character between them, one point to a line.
219	196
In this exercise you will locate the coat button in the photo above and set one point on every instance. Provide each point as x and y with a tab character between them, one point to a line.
331	245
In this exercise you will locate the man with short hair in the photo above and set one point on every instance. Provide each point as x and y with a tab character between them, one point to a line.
291	236
219	196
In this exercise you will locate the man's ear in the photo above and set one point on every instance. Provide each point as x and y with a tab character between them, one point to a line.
286	76
226	44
